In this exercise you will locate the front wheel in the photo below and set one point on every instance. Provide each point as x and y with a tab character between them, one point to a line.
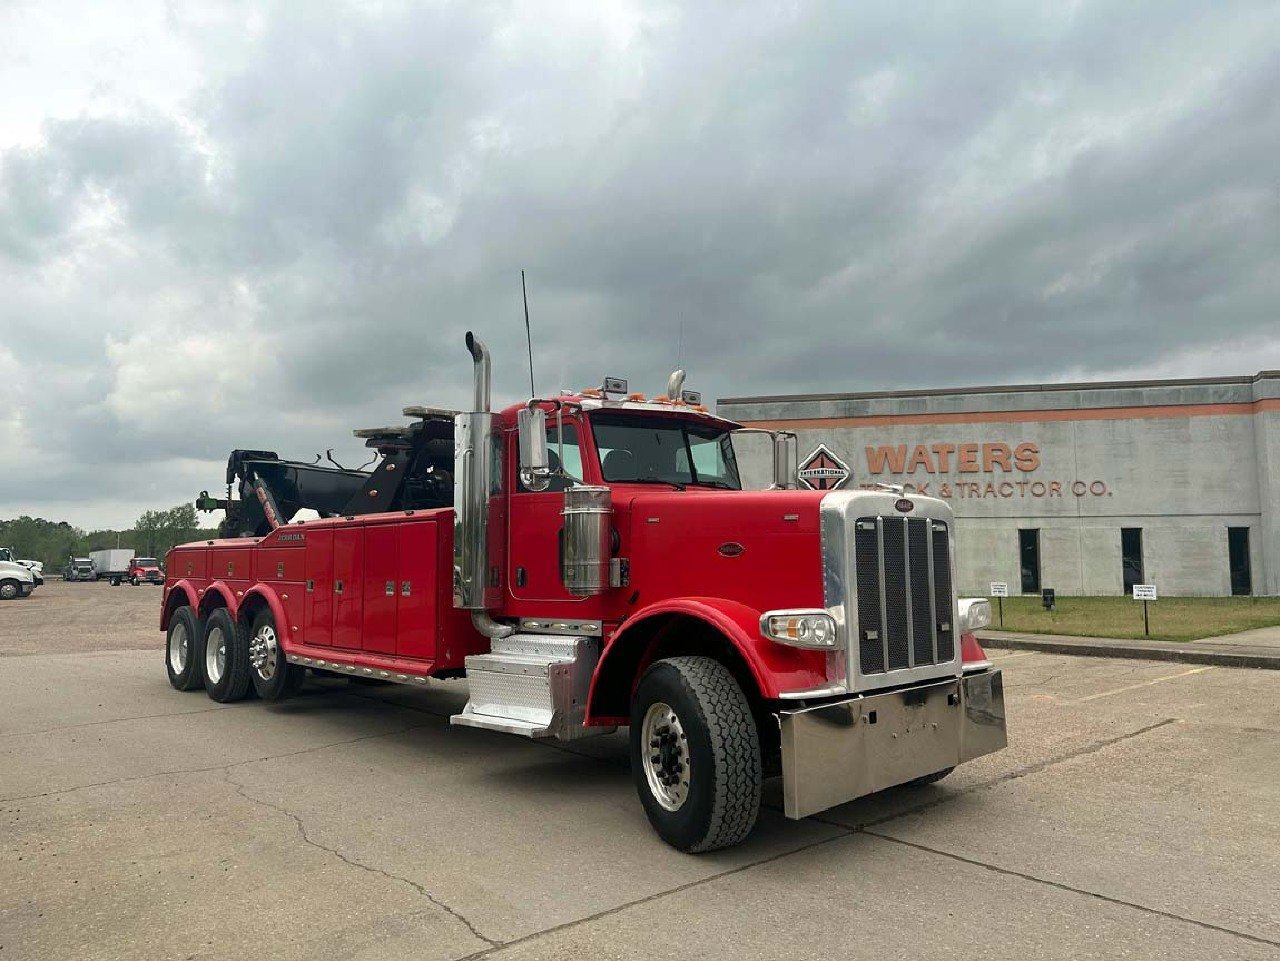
10	590
695	754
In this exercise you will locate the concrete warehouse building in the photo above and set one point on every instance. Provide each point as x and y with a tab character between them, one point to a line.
1083	488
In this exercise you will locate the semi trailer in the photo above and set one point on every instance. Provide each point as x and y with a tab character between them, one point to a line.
587	562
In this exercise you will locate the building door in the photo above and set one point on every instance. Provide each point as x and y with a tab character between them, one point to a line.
1238	556
1131	570
1029	555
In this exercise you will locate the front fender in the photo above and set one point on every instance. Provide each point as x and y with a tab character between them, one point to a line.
776	668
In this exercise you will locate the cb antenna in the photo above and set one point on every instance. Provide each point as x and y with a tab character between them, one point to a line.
533	391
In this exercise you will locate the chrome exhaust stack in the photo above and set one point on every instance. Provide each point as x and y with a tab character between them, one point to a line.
472	462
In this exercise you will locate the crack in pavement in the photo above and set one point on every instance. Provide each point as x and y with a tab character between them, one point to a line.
1021	772
113	720
212	767
1009	872
657	895
846	831
243	791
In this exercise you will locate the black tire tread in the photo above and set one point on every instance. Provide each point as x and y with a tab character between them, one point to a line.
735	745
195	678
236	678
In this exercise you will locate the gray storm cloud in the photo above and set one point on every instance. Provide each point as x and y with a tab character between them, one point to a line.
797	197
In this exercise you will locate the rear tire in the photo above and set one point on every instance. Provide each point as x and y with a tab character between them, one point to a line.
182	650
273	677
931	778
695	754
225	664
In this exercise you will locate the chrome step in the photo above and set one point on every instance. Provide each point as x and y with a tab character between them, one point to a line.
534	685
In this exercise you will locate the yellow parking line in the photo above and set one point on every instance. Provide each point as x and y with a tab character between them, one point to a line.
1134	687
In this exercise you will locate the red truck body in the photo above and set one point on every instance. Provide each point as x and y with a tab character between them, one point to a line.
740	634
671	537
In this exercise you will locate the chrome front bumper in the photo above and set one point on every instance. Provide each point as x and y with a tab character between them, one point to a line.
836	752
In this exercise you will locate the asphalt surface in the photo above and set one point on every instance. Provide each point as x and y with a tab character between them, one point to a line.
1133	816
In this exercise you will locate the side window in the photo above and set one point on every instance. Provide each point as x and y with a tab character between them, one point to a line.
572	456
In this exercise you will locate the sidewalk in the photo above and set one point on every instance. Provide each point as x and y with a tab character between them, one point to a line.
1259	648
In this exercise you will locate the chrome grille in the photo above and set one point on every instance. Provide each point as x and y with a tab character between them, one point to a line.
902	570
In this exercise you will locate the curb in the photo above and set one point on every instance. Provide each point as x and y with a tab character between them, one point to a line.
1089	647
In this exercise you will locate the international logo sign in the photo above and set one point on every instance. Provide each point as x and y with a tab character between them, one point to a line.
823	470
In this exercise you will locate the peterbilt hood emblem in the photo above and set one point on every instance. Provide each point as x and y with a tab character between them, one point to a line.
822	470
904	505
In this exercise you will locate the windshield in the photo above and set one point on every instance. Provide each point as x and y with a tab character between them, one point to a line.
146	562
662	450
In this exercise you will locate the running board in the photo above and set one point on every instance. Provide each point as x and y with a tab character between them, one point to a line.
534	685
337	667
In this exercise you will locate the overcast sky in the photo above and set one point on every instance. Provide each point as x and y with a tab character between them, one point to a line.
261	225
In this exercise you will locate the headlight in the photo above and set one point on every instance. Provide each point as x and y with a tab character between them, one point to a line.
803	628
975	614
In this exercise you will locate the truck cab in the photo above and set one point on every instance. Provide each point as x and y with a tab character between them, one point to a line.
590	561
144	570
79	569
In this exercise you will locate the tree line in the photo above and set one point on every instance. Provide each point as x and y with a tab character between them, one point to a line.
52	542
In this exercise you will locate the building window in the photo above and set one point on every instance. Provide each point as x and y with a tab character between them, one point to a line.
1131	557
1238	556
1029	553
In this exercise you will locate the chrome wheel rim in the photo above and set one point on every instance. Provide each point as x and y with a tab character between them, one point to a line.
215	655
664	755
179	648
264	652
8	591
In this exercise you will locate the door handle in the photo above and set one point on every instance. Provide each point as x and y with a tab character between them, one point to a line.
390	588
337	587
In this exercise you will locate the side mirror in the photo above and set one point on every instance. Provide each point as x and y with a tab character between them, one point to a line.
535	466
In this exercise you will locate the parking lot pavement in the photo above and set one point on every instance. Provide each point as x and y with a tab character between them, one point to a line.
1132	816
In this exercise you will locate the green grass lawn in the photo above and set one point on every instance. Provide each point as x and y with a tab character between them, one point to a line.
1172	619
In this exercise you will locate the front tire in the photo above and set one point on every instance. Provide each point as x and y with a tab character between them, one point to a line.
225	665
10	590
182	652
695	754
273	677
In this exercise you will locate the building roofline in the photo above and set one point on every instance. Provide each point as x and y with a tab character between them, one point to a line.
1002	389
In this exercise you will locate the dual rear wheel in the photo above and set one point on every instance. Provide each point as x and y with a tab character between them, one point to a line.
229	658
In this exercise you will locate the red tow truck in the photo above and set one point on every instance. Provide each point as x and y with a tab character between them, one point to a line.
590	561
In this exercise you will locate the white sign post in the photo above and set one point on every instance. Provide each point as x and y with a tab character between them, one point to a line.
1000	591
1145	593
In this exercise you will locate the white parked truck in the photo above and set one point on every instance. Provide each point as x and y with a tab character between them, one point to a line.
112	563
15	580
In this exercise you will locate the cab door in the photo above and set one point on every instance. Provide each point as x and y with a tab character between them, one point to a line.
534	524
